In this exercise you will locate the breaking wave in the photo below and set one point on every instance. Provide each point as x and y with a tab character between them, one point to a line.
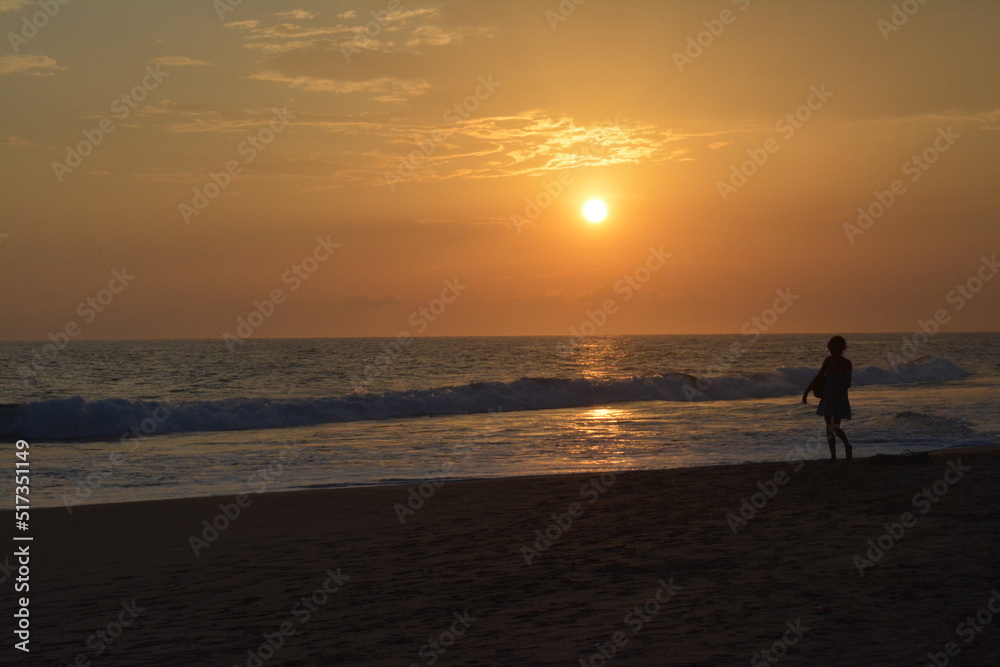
77	418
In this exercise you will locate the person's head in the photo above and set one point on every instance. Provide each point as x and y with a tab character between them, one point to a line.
837	345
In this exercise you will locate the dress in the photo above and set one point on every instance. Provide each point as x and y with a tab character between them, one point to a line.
838	408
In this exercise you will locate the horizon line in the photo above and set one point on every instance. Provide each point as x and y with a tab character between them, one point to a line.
595	336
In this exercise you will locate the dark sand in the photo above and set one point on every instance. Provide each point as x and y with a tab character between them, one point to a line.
732	597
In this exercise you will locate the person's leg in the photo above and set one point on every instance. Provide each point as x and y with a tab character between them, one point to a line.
848	450
831	437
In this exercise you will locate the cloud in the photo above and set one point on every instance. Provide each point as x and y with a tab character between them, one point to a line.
530	143
242	25
178	61
535	142
200	118
15	141
387	59
30	65
369	149
12	5
297	14
432	35
385	89
349	14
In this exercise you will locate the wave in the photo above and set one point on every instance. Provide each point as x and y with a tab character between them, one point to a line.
80	419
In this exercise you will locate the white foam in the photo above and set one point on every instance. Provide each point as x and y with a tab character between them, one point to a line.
77	418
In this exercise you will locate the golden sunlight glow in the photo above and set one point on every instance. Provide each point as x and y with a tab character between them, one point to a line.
595	210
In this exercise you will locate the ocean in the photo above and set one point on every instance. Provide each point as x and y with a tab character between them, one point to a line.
122	421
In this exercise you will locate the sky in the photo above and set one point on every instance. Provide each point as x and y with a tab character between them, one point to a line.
195	169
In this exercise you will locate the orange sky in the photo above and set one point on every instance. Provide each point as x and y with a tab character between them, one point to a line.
457	141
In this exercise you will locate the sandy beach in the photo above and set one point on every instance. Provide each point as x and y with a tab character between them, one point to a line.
644	568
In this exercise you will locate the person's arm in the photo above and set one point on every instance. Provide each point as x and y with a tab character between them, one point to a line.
822	370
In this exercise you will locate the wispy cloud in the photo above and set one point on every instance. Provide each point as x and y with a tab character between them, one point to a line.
30	65
175	118
381	66
12	5
300	14
386	89
248	24
530	143
15	141
434	35
363	149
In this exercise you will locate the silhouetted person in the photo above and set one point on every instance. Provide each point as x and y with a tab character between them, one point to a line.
835	379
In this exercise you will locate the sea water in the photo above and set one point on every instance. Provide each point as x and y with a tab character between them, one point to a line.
117	421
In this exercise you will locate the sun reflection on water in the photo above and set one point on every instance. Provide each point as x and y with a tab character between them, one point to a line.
602	358
600	439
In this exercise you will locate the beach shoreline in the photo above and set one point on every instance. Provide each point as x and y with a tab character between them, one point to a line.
722	563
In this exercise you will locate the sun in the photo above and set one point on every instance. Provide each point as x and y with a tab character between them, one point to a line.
595	210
